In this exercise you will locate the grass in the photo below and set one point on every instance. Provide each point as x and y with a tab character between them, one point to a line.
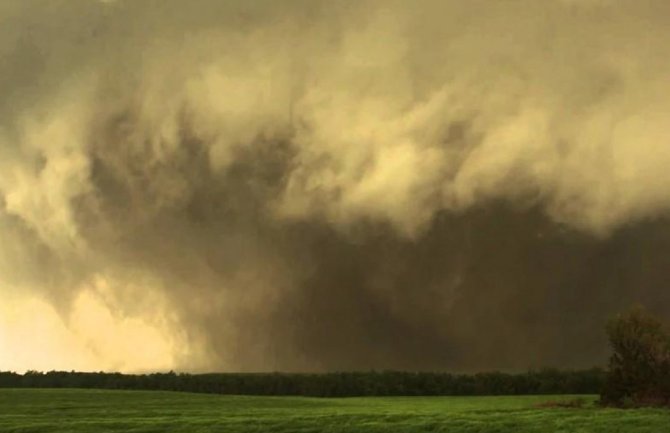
41	410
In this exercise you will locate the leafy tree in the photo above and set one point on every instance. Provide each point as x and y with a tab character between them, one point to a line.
639	368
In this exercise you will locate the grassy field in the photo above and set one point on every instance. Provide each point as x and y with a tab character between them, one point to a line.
152	411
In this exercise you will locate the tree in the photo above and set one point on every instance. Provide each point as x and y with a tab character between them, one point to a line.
639	368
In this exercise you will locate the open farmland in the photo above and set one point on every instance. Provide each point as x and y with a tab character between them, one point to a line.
69	410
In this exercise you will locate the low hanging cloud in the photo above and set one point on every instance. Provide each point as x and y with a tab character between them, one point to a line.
318	185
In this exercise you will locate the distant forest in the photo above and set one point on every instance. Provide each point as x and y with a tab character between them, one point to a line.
346	384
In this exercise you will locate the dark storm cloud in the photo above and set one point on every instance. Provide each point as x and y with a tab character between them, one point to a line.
345	185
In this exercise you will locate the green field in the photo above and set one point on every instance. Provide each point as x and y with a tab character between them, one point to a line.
23	410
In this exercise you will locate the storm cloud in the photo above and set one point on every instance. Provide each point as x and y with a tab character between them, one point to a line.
309	185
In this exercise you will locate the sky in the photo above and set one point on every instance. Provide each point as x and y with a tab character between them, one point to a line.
316	186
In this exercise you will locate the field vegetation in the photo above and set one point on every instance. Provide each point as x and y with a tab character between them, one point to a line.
68	410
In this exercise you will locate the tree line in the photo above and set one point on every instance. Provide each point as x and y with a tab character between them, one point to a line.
344	384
